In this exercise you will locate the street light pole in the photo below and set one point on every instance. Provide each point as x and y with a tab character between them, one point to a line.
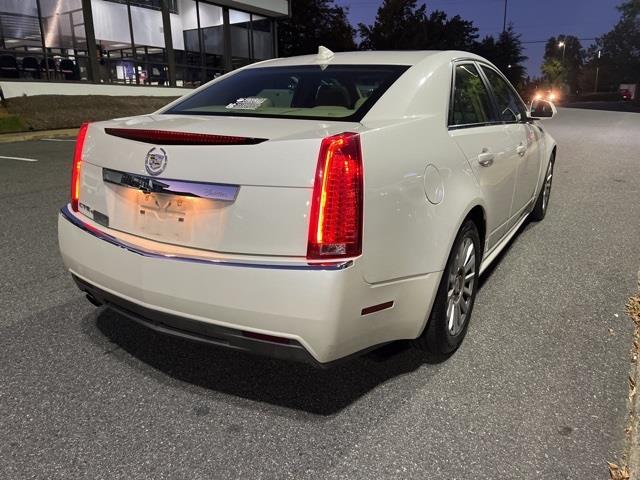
504	19
564	46
595	88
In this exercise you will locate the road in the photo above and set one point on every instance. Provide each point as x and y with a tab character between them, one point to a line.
538	390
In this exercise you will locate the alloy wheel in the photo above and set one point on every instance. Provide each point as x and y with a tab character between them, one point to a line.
460	286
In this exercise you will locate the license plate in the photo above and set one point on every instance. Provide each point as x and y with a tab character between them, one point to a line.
169	218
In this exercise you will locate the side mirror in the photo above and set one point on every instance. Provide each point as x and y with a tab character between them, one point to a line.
542	109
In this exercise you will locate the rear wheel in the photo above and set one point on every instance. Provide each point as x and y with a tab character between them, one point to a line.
456	295
540	209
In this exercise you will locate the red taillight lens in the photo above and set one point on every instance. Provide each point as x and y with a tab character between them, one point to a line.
335	227
75	169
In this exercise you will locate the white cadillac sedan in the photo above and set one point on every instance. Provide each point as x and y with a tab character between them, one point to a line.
310	208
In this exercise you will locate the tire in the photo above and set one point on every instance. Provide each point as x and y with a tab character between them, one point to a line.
542	203
444	332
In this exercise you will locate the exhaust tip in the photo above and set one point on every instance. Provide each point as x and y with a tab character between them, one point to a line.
93	300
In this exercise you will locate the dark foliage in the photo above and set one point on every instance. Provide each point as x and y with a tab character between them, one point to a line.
505	53
402	25
570	56
313	23
619	61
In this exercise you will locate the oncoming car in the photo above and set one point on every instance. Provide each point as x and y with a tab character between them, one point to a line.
548	95
310	208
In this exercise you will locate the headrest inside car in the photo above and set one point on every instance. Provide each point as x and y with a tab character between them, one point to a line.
329	95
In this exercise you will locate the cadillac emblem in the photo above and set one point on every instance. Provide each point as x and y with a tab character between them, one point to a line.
156	161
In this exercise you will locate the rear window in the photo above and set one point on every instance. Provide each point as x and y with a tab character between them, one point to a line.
341	92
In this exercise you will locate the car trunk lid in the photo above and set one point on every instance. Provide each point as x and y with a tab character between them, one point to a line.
245	197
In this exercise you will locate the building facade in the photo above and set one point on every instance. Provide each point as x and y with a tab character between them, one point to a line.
180	43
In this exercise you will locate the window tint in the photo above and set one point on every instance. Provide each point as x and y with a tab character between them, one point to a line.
342	92
510	106
470	98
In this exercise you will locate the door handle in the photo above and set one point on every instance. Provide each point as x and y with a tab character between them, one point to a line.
521	150
486	158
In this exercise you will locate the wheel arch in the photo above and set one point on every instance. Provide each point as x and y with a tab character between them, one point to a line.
477	215
551	155
551	151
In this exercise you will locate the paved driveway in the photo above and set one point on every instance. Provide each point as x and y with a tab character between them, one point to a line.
538	389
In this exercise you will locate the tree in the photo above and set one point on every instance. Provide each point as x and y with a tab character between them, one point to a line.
570	55
554	72
505	53
450	34
619	60
313	23
402	25
399	25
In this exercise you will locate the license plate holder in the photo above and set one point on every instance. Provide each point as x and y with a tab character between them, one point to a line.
165	216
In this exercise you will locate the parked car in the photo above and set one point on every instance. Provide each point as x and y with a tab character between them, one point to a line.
312	207
628	91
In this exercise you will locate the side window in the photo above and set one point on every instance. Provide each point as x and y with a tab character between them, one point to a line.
470	100
510	106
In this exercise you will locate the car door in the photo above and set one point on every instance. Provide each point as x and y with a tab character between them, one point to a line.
525	135
487	144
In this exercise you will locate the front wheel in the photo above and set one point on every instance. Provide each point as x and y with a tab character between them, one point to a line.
449	318
540	209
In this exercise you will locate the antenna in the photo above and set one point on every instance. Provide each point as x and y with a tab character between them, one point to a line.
324	54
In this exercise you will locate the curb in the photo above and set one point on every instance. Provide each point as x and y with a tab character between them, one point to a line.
26	136
634	443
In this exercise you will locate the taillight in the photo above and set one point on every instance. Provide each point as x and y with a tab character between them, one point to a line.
75	169
335	227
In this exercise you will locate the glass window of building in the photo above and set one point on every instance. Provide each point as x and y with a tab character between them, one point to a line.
262	36
148	40
186	43
212	28
47	39
113	39
240	26
21	52
65	39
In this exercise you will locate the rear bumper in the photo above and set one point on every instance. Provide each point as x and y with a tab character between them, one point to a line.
317	308
202	332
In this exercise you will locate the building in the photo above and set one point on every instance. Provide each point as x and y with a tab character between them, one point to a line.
181	43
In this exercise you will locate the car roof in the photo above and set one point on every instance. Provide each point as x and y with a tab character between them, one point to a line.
370	58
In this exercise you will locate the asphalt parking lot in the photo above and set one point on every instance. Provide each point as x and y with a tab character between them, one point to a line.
538	390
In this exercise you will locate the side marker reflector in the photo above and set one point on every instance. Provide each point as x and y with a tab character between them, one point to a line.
377	308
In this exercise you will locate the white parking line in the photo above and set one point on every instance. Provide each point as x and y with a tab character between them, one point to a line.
19	158
58	139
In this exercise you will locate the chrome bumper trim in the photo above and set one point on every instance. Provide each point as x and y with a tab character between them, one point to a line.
70	217
212	191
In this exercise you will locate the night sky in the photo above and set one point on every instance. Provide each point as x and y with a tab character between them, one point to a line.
535	19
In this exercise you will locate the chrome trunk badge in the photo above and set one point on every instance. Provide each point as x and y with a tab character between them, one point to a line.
156	161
